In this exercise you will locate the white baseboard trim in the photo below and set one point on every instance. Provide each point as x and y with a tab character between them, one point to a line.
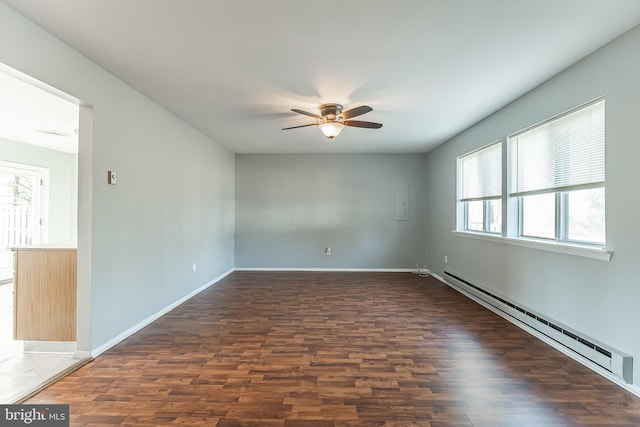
585	362
132	330
50	347
361	270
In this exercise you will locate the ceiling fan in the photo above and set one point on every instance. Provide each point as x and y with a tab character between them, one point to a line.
332	119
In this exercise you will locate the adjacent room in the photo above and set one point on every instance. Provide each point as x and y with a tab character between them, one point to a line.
38	218
356	213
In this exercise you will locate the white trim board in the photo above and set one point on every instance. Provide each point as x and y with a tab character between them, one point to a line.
551	246
132	330
585	362
50	347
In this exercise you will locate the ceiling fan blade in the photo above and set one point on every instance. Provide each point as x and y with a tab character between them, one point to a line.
360	124
301	126
306	113
354	112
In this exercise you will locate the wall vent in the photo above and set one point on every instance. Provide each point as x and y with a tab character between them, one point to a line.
614	361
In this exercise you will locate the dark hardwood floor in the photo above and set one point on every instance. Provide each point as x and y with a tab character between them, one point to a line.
337	349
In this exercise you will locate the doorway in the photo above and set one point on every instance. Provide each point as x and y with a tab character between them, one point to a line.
39	137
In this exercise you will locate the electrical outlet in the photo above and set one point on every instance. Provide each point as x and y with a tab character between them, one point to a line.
195	266
446	259
327	251
112	177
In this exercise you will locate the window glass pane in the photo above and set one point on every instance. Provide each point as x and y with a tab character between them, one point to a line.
494	216
475	215
17	216
539	216
17	206
585	220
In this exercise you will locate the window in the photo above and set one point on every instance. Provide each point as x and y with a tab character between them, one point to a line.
553	197
480	190
558	177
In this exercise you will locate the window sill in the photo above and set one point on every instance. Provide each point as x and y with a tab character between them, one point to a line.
563	248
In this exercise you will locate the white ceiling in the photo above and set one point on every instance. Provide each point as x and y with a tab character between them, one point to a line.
429	68
34	115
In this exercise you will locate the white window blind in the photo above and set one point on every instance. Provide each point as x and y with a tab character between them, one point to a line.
562	154
481	174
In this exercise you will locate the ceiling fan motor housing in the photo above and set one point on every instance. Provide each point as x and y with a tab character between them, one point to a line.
330	111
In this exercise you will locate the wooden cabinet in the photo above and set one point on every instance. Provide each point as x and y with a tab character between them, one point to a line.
45	294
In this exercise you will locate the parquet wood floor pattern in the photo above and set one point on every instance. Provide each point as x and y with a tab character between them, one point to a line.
306	349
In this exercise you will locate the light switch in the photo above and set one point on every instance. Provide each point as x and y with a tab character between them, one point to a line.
112	177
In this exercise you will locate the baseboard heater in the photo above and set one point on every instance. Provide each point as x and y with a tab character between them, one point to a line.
614	361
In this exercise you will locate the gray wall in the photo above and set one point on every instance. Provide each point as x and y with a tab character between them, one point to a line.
596	297
174	202
290	207
63	184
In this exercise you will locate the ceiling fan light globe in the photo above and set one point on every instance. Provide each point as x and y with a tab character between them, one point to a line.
332	129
